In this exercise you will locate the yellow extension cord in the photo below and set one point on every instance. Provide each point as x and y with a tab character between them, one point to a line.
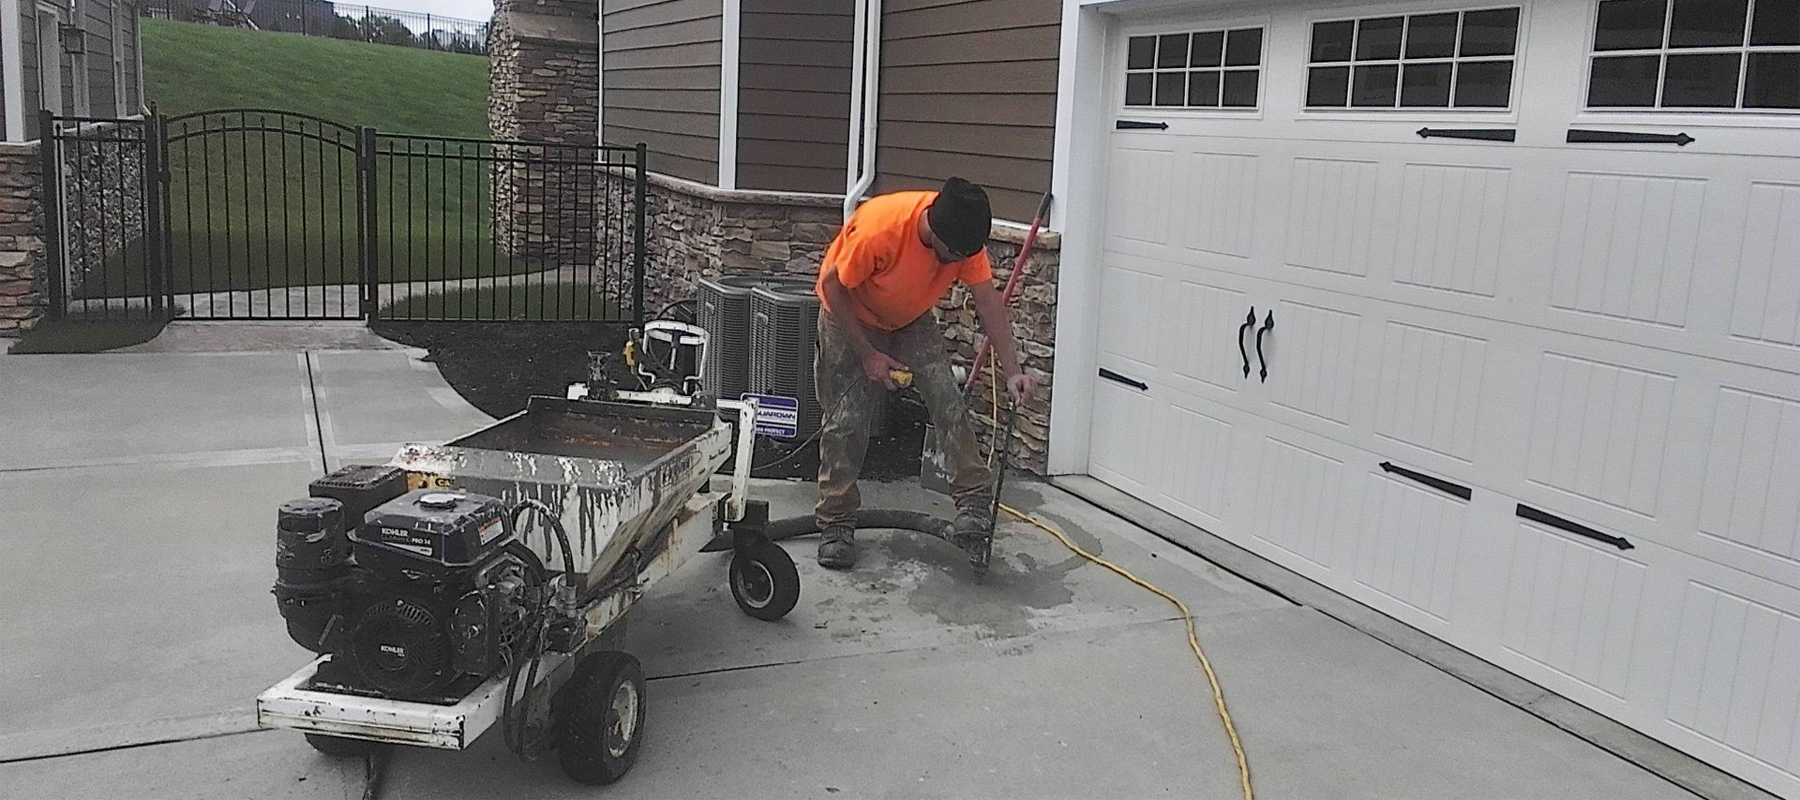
1237	747
1212	679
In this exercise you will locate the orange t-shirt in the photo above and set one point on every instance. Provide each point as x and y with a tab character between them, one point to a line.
893	277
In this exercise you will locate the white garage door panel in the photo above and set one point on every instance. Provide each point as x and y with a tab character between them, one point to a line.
1573	606
1120	439
1600	431
1192	467
1142	172
1749	502
1730	684
1452	227
1431	389
1128	297
1203	357
1312	355
1331	215
1307	496
1766	305
1409	546
1219	215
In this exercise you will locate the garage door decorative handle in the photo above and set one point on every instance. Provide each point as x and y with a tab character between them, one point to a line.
1627	137
1248	321
1268	325
1571	526
1139	125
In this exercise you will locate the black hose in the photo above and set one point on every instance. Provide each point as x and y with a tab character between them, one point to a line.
533	642
549	517
885	518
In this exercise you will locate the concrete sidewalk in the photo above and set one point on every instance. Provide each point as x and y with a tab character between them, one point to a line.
140	495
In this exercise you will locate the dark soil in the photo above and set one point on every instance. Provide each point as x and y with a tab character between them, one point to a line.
87	336
497	365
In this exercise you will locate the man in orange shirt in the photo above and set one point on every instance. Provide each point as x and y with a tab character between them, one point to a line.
879	282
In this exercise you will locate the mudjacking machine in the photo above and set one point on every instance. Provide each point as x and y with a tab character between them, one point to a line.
476	583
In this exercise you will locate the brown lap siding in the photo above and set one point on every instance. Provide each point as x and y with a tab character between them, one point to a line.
794	94
662	70
969	88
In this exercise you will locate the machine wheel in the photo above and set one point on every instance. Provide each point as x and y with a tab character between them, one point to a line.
602	719
340	746
764	581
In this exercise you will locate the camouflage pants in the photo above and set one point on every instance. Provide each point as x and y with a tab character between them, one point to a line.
848	398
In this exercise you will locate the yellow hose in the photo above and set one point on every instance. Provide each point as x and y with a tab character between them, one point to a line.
1237	746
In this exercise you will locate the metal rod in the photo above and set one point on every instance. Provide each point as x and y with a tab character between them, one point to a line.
49	143
637	258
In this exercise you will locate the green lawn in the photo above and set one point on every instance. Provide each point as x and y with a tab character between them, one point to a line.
255	209
539	302
190	68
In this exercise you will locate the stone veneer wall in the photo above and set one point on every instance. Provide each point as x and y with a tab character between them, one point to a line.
695	232
544	86
24	289
103	211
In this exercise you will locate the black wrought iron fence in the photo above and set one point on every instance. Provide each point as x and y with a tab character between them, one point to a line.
103	211
263	214
492	229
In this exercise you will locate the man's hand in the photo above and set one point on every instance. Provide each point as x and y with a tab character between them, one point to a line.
1022	387
878	368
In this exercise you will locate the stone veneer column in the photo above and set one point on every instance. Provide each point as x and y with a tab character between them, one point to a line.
544	86
24	289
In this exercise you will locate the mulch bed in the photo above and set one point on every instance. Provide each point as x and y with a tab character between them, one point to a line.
497	365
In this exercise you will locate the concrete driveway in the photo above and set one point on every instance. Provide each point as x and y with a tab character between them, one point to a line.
138	499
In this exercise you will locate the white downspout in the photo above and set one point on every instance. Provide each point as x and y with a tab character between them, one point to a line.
730	28
853	150
870	63
12	73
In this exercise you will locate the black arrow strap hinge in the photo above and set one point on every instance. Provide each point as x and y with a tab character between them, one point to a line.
1571	526
1627	137
1140	125
1454	489
1117	378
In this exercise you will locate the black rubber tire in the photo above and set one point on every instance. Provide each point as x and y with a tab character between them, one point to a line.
764	581
340	746
594	747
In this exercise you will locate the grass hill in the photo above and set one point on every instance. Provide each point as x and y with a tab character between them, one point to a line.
190	67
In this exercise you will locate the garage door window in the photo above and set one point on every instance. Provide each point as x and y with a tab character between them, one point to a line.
1198	69
1453	59
1696	54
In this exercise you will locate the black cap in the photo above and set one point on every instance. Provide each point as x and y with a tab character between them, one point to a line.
960	216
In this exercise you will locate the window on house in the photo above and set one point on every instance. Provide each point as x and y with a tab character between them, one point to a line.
1452	59
1198	69
1696	54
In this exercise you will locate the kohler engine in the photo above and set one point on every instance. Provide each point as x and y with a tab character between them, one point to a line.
412	593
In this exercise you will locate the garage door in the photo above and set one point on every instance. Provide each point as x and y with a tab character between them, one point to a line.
1470	313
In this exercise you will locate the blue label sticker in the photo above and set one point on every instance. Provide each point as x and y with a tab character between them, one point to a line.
776	415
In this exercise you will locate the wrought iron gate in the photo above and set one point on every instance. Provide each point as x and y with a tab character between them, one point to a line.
242	214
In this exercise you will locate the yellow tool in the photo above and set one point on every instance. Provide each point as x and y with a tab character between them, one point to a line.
901	377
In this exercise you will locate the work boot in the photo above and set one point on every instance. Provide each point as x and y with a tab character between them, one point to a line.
974	524
838	550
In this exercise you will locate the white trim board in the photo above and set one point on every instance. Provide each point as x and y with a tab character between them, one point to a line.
12	73
729	64
1078	182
